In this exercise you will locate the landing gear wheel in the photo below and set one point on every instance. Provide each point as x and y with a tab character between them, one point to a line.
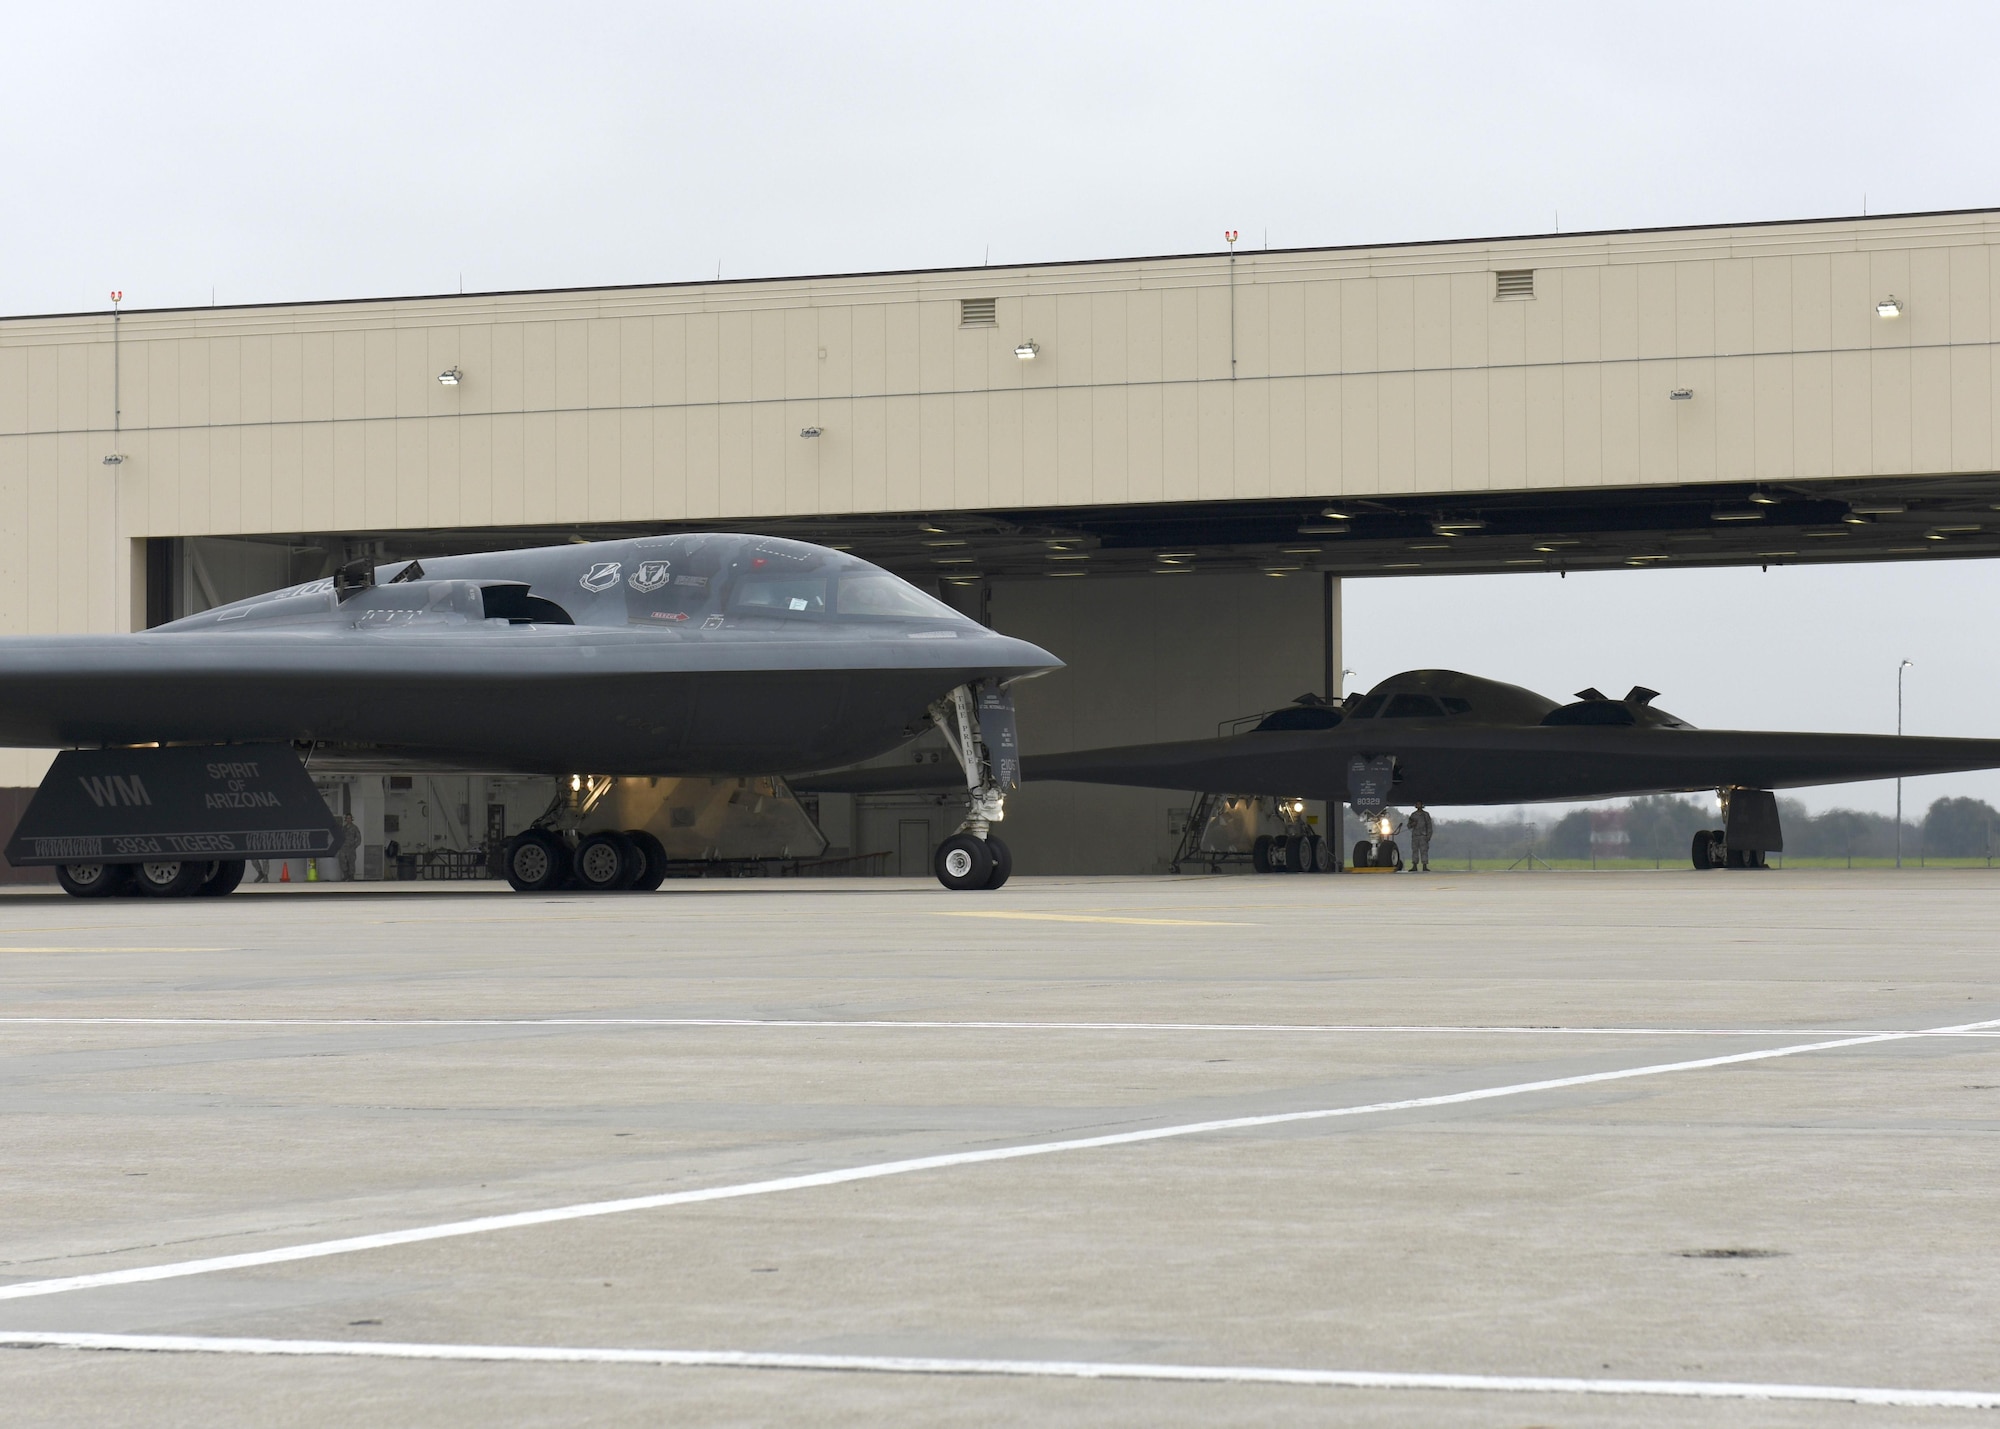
1298	855
1280	856
1364	854
536	860
168	880
655	855
1704	849
93	880
222	878
605	862
1003	861
1260	854
962	862
1316	854
1389	856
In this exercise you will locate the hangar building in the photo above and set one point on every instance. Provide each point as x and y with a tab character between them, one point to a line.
1159	468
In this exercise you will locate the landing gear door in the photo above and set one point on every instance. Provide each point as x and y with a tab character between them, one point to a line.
1368	781
996	731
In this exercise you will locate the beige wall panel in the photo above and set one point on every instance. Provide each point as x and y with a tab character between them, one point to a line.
538	367
835	457
1733	308
937	442
1041	447
476	470
1812	414
771	455
1618	314
1506	323
538	467
800	456
1287	437
737	461
194	447
701	358
44	517
600	378
1853	413
1694	309
1658	306
902	350
1812	312
1889	411
1180	335
1732	442
225	382
1887	273
411	377
1543	426
1215	415
1360	431
1545	326
1360	337
1038	321
736	357
1851	299
572	365
378	373
1926	319
1212	333
1972	409
1659	421
1322	327
257	370
1971	296
1472	327
506	479
769	360
225	480
1145	475
1396	440
1006	456
1073	445
869	362
1074	364
1722	390
1471	430
1287	319
1582	312
1253	329
1430	321
429	465
1107	339
1584	397
670	464
903	470
15	536
286	458
1144	333
13	391
1110	445
1322	434
378	474
1771	304
937	345
320	485
1429	431
1506	428
1930	409
72	533
636	384
1250	454
159	390
835	374
1771	414
1180	428
467	350
192	402
705	498
971	450
1396	324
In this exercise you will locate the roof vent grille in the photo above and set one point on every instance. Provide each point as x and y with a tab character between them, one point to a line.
1514	283
978	312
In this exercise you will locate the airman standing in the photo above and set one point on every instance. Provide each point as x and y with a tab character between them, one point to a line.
1419	826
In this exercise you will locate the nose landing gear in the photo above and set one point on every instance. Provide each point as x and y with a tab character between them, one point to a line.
978	724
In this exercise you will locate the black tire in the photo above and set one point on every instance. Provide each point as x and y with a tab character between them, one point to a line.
655	855
1364	854
1003	861
962	862
1316	849
168	880
1280	856
93	880
1389	856
605	862
1299	854
222	878
1702	852
536	861
1260	854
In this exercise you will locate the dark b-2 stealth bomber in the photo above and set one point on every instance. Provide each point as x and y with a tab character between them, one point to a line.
669	655
1441	737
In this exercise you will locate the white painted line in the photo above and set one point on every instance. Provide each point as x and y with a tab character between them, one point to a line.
1039	1369
809	1024
516	1220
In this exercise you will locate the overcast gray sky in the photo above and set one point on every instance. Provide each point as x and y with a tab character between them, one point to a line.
260	152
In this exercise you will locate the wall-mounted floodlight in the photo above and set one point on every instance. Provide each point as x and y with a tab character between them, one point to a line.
115	459
1889	307
810	432
1681	394
450	377
1028	350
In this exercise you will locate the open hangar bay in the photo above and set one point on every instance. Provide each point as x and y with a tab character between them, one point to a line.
1567	1150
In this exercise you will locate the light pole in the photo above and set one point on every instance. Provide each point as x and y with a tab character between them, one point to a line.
1899	783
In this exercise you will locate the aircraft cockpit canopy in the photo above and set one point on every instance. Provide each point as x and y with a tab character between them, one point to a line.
1445	694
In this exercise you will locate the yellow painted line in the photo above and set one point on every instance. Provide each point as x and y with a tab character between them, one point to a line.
1092	918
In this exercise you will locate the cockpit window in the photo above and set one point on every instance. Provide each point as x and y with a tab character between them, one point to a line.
1454	705
878	593
790	595
1413	707
1369	707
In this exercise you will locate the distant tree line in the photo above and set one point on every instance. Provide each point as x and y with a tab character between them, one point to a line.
1662	826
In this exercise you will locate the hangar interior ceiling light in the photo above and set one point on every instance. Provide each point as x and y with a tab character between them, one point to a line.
1878	508
1765	498
1889	307
1456	528
1736	513
450	377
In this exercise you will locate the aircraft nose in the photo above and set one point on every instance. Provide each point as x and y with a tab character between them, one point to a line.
1020	657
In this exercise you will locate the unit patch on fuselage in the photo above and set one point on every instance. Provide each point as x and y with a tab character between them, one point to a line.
651	575
601	576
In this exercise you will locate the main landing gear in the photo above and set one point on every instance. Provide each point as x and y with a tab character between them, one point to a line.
155	880
609	861
1750	832
974	857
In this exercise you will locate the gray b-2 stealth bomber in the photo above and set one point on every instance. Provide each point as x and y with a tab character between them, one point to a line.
1442	737
668	655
